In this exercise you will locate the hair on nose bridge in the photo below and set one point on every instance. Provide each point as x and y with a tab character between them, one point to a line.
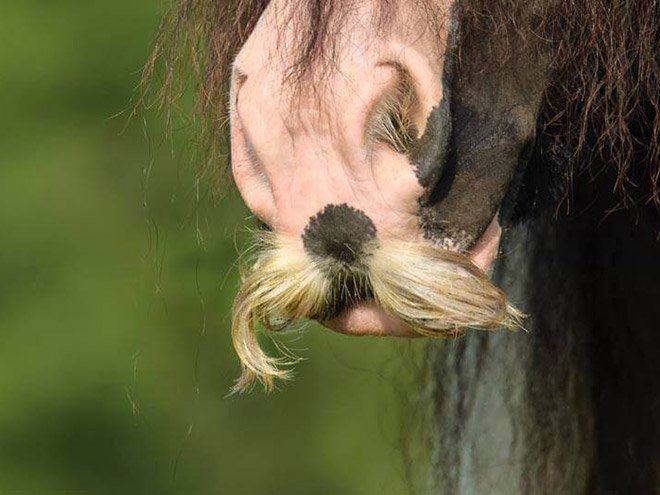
340	233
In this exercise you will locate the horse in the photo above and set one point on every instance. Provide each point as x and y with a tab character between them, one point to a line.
435	167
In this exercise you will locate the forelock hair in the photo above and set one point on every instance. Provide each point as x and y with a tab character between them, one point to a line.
602	106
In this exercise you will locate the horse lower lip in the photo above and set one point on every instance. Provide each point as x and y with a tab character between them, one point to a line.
369	319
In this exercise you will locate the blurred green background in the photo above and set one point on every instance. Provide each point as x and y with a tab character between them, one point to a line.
116	284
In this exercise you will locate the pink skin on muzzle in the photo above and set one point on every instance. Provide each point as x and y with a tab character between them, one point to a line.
292	157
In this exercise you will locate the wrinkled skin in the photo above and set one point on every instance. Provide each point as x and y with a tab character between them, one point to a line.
291	157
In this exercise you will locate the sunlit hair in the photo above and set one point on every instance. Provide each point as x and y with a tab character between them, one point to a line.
391	119
438	293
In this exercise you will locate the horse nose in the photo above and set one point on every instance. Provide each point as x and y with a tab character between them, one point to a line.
340	233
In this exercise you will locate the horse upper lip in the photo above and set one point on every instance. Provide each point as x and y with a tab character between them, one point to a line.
368	318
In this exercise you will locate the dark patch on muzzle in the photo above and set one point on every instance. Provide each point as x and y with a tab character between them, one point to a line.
476	141
340	233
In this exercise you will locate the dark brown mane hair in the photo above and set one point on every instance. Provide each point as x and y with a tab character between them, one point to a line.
601	109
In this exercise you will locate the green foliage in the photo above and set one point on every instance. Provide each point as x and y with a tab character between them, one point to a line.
115	355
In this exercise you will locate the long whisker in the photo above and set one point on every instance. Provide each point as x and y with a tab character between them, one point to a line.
436	292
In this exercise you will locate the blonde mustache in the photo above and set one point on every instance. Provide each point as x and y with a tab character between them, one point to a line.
436	292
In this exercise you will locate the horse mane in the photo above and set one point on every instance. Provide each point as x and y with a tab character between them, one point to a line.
603	105
601	110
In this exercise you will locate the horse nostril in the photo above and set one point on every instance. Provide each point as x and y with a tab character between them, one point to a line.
339	232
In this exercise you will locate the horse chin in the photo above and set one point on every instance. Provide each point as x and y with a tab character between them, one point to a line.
368	318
